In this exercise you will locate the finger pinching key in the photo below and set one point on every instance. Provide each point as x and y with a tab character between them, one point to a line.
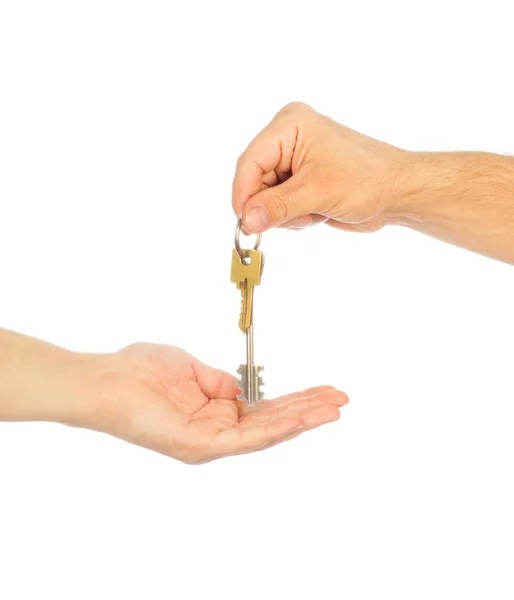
247	266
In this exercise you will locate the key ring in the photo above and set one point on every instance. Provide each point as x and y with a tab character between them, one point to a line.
243	252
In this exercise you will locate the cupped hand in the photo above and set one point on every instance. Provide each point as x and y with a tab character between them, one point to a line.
305	168
164	399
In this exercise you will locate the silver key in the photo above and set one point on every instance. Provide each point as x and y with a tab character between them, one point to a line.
247	266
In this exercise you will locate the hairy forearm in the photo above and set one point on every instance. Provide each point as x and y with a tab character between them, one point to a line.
42	382
465	198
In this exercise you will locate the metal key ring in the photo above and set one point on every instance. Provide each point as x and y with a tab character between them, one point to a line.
243	251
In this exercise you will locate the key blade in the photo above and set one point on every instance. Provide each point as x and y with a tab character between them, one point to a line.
246	314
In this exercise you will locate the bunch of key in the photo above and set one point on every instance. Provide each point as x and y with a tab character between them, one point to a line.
247	266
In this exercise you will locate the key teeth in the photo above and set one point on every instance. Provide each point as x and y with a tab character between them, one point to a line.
260	380
243	384
241	315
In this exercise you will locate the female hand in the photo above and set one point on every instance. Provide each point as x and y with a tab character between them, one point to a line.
153	395
162	398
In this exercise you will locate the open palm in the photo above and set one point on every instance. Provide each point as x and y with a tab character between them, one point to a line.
162	398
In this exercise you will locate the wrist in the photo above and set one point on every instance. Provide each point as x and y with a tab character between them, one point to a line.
42	382
429	185
75	383
409	189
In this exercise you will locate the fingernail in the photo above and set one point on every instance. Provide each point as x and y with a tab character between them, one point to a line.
256	219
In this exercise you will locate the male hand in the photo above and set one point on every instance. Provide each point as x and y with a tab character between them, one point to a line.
166	400
304	168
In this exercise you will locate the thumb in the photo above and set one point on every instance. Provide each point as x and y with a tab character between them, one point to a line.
213	382
276	205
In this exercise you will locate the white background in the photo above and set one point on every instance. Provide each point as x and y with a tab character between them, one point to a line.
120	124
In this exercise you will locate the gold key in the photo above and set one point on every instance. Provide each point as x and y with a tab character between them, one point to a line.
247	266
246	274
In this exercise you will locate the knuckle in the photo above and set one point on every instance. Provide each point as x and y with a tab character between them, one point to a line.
241	159
294	107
